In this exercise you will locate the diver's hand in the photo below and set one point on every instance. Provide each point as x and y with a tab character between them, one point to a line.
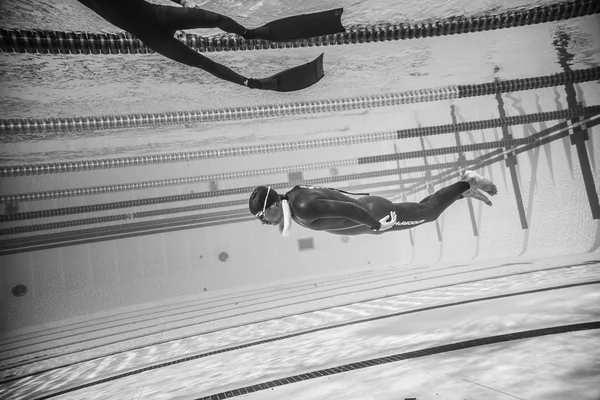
387	222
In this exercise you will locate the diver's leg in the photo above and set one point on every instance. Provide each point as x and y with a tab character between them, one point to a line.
429	209
426	199
172	48
409	214
478	183
176	18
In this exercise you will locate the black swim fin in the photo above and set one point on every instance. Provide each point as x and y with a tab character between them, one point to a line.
293	79
300	27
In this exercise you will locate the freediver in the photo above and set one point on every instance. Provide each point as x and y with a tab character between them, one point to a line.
335	211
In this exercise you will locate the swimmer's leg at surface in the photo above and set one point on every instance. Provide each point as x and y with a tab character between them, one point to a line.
301	26
155	25
290	28
142	18
176	18
172	48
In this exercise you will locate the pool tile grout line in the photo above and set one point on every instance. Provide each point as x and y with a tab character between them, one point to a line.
406	356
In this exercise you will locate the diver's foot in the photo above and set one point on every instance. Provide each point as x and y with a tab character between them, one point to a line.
477	195
248	34
264	84
262	32
479	182
253	83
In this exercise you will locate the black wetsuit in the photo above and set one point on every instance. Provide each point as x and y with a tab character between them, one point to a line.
333	211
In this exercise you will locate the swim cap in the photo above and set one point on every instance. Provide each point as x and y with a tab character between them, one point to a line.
257	199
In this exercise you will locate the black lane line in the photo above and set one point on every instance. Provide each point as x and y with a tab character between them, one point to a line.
287	295
27	362
292	335
534	333
10	379
148	314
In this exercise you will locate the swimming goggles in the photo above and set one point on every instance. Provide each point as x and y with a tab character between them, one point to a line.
261	214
